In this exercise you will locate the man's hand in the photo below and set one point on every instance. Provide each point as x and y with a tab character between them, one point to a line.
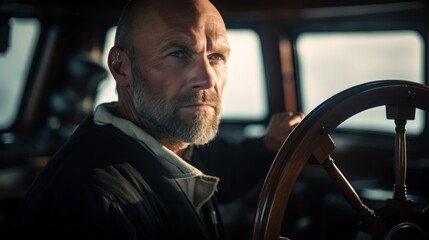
280	126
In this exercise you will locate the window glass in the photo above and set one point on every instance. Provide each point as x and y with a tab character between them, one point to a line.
14	66
332	62
244	95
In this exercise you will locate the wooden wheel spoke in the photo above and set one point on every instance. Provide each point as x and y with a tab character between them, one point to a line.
323	157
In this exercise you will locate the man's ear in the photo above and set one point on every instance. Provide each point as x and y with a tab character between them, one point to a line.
120	66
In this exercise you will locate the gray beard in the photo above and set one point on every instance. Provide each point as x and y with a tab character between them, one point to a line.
164	119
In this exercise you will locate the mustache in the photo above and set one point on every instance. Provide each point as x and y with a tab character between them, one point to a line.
206	97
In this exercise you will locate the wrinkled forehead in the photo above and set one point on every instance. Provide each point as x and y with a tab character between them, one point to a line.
164	16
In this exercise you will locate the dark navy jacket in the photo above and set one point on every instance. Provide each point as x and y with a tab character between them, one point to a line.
102	184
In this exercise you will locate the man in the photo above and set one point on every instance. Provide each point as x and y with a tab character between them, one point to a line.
134	169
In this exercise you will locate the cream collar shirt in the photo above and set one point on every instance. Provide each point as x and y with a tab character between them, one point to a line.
198	187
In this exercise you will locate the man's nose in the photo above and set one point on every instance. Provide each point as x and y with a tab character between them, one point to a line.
204	76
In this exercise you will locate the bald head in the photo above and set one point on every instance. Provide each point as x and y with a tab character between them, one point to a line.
138	12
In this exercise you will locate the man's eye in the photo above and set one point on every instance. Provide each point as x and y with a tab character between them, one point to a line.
216	57
178	54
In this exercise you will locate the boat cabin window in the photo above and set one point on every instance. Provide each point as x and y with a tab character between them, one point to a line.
330	62
15	64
